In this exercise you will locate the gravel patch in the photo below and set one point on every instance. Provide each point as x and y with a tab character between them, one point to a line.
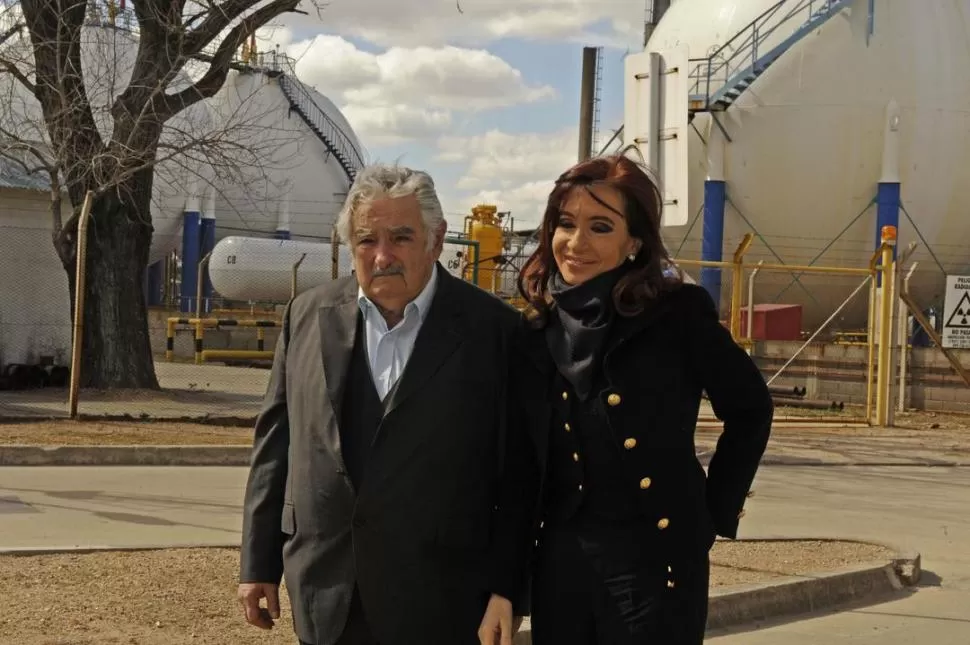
188	595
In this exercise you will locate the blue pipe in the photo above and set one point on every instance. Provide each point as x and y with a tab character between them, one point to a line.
153	288
191	232
887	209
712	247
281	234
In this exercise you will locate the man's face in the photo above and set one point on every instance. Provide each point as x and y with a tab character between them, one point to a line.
391	254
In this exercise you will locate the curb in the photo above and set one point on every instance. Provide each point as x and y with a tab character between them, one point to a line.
239	455
21	455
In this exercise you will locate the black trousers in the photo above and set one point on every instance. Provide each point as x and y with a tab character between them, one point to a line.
357	631
596	586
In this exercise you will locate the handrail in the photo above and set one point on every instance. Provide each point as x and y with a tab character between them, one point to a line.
329	132
741	55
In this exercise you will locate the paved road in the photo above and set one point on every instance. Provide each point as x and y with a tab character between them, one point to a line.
927	509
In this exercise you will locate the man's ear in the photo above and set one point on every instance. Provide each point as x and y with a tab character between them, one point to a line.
439	239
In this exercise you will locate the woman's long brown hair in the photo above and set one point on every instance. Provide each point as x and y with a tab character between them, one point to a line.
643	203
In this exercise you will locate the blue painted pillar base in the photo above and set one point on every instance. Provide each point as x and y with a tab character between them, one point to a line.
281	235
713	241
887	214
208	231
191	234
154	283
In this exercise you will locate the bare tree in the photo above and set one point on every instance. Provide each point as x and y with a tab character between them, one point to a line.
114	151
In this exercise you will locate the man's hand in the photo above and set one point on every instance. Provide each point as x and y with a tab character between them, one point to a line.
250	593
497	626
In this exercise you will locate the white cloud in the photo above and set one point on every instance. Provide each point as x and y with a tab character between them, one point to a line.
407	94
438	22
514	171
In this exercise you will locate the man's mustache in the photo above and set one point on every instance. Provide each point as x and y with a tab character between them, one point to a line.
389	271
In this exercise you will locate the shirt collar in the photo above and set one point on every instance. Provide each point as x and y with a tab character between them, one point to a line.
420	305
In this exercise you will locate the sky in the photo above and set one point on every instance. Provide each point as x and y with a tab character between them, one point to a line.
482	94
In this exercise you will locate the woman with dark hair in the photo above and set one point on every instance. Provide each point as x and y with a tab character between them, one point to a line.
626	513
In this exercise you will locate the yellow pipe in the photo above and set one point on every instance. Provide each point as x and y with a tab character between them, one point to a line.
885	327
170	339
737	284
871	343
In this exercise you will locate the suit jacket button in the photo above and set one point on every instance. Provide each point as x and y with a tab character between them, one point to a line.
575	456
613	399
663	523
567	427
645	484
670	584
630	443
565	395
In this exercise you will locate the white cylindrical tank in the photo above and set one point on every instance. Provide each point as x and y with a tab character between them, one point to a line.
808	141
258	269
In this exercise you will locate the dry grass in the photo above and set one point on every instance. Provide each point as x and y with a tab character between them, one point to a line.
120	433
188	595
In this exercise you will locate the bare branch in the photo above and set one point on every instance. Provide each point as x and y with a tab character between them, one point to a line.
214	78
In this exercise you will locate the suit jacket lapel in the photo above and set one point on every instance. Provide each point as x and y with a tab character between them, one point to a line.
338	331
437	341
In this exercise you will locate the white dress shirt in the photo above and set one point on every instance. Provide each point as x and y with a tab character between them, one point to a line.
388	350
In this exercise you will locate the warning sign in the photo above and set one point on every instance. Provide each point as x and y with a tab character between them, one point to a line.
956	312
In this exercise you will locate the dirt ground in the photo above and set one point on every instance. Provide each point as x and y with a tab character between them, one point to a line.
187	595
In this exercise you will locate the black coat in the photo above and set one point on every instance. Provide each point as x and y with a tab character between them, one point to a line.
439	522
656	366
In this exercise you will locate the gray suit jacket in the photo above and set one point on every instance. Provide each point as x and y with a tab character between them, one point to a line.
443	517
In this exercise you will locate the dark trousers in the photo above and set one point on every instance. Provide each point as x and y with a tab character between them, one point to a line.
596	590
356	631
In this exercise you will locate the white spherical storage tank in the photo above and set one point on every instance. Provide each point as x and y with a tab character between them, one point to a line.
258	269
809	144
281	173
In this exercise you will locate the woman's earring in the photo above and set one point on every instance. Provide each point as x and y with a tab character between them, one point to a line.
631	257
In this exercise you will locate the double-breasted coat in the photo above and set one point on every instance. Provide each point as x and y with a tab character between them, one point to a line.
656	366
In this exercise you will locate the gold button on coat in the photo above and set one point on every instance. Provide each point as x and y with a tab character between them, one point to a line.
645	483
565	395
613	399
663	523
575	456
670	584
630	443
567	427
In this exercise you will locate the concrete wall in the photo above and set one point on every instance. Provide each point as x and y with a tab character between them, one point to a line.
35	314
838	373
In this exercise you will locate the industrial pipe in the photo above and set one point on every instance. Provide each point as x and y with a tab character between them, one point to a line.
883	371
199	280
751	301
904	337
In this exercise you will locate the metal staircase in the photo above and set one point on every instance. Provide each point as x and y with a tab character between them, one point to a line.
336	140
717	81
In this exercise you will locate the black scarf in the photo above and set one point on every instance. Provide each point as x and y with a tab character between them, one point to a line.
585	312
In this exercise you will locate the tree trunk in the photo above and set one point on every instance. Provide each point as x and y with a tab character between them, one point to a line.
116	348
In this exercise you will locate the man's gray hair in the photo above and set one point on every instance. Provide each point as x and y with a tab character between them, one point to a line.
380	181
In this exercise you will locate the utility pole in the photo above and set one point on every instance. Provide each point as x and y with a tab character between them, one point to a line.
587	100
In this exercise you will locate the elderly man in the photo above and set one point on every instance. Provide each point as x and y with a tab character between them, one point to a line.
390	458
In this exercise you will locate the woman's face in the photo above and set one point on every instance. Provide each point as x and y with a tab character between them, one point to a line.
591	237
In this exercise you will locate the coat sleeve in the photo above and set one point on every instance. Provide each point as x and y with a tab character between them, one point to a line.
261	553
518	483
740	398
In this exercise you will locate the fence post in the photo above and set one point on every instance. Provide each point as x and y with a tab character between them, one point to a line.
737	284
79	284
